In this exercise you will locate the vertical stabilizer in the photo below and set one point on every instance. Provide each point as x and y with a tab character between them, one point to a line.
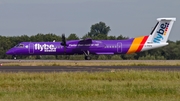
161	31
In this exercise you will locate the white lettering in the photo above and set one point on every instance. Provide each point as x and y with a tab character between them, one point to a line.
45	47
74	45
79	45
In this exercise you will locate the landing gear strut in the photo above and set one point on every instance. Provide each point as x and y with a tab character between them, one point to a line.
87	57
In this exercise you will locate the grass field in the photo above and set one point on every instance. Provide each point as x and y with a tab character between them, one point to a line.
92	63
126	85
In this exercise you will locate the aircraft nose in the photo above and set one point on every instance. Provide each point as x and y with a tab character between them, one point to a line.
10	52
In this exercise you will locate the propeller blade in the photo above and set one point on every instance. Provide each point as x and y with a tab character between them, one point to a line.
63	43
63	40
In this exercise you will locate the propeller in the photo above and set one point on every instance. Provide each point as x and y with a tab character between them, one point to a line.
63	43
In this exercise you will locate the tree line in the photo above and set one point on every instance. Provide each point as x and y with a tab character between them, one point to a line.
98	31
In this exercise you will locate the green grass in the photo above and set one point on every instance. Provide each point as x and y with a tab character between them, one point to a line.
126	85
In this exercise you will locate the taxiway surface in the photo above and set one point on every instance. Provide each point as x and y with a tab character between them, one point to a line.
96	61
83	68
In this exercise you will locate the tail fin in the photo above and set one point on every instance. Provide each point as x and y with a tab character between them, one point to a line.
161	31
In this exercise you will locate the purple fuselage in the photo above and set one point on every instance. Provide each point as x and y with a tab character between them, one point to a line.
73	47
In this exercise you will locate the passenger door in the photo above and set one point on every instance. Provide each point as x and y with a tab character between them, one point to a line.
119	47
31	48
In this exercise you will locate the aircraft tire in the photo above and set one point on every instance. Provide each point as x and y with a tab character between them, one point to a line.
14	57
87	58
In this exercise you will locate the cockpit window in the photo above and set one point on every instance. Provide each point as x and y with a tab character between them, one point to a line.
20	45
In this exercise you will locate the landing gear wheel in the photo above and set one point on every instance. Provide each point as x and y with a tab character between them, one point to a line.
87	58
14	57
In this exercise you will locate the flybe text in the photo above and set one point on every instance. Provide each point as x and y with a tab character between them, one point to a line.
161	32
45	47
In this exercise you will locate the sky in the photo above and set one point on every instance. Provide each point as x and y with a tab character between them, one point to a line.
131	18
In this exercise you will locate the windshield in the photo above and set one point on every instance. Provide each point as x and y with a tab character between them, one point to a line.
19	45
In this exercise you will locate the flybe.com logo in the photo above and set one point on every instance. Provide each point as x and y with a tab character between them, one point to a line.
161	32
45	47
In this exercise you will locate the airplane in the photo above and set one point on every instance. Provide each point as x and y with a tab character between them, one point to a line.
157	38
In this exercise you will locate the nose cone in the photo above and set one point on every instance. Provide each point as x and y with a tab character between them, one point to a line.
10	52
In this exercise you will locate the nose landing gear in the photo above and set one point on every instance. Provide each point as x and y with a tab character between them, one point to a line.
14	57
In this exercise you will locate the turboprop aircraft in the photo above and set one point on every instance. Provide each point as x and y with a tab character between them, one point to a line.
157	38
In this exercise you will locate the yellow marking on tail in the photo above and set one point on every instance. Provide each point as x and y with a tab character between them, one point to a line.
135	44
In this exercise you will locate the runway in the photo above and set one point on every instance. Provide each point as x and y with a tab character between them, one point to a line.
96	61
84	68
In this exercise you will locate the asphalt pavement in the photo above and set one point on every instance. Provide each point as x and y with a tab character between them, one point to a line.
84	68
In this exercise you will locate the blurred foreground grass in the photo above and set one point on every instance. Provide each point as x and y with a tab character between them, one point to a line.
126	85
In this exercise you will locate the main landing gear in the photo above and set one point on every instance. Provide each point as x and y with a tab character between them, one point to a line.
87	57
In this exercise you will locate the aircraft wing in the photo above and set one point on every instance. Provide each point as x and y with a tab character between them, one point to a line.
88	40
